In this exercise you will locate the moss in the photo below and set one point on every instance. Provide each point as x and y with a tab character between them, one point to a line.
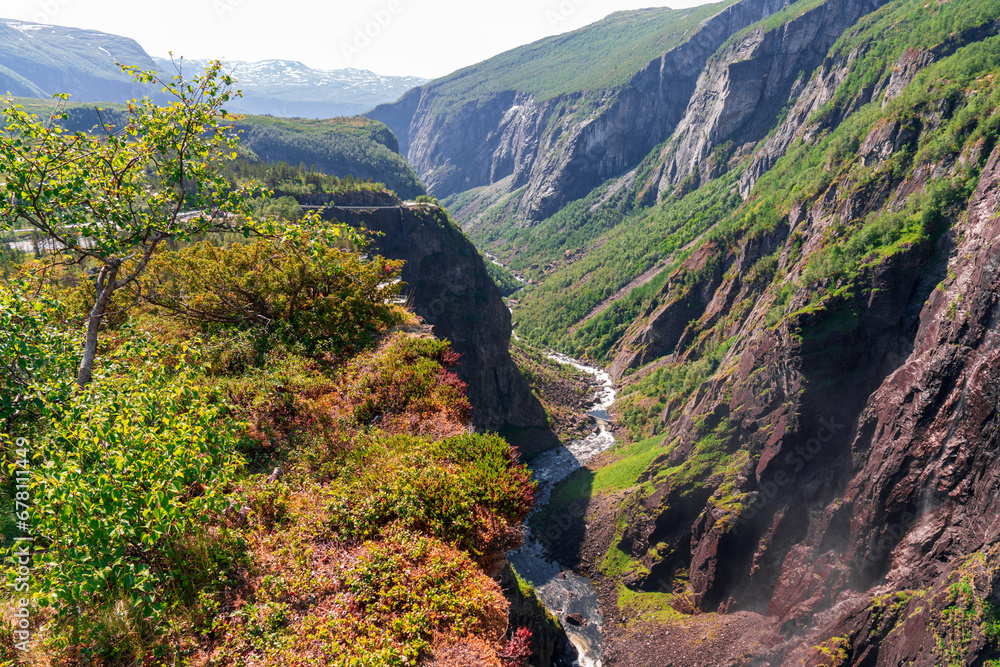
648	607
833	652
966	616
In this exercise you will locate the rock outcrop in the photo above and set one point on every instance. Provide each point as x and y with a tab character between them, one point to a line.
747	83
450	289
549	642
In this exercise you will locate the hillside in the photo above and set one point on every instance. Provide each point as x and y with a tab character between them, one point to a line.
288	88
791	268
541	125
224	468
42	60
355	147
775	224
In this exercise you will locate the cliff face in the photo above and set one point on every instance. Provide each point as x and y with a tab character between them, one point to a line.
556	149
548	638
921	504
747	83
838	471
450	289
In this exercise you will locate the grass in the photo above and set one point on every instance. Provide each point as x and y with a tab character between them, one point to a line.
630	460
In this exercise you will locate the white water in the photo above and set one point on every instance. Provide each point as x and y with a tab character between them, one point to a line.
564	592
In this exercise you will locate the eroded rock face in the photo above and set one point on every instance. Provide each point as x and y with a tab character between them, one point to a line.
450	288
821	88
923	473
863	439
746	84
548	148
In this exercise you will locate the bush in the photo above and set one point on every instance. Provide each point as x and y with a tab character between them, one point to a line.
129	487
399	596
39	361
468	490
298	291
406	376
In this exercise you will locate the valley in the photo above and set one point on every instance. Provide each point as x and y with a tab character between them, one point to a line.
672	339
766	262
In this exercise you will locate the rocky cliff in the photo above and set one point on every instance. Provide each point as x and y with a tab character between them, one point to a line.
558	148
836	472
797	287
745	86
448	286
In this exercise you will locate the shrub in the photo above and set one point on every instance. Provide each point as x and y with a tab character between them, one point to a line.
129	488
407	376
469	490
39	361
298	290
396	598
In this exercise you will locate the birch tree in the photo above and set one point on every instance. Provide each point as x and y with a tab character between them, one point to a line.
108	199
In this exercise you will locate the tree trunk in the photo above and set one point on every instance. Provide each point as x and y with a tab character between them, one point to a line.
105	289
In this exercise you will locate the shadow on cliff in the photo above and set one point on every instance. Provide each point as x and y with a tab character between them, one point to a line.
561	526
448	286
789	546
530	441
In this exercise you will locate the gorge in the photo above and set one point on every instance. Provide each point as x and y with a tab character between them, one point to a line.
768	231
788	260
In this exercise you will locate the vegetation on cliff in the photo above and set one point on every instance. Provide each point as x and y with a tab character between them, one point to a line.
771	316
271	465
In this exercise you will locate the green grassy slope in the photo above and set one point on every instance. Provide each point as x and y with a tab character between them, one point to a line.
349	146
353	146
578	61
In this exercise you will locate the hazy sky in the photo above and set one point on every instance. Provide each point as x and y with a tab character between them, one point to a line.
420	37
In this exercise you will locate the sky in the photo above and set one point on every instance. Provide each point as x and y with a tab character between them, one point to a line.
428	38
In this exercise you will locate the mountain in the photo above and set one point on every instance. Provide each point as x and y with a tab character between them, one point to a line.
546	123
42	60
288	88
780	234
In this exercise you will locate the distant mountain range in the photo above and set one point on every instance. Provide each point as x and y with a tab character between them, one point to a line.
289	88
40	60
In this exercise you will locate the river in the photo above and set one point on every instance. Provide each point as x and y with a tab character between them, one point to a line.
562	591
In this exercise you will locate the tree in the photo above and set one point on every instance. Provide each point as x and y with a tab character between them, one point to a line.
318	295
107	201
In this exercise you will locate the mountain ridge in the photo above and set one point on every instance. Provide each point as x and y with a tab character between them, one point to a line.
40	60
289	88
